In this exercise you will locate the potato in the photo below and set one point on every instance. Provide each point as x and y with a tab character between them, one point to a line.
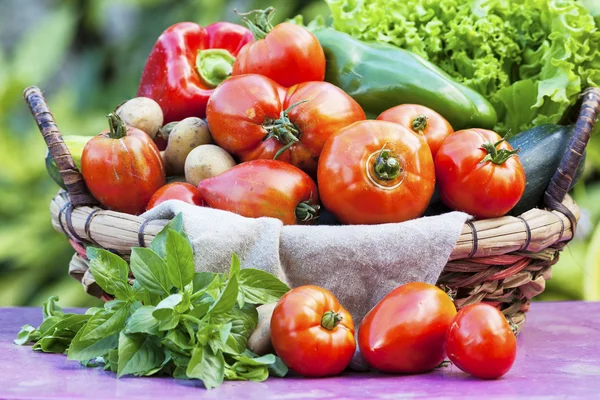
188	134
206	161
142	113
260	340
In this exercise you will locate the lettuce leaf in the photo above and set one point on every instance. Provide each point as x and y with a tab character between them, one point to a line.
530	58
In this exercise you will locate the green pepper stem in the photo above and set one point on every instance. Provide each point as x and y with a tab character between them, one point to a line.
261	25
307	211
386	165
283	129
331	319
495	155
214	66
116	126
419	123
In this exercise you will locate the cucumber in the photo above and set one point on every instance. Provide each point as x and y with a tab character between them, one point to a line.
75	144
540	152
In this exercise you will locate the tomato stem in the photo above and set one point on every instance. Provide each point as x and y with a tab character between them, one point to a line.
386	166
117	126
307	211
331	319
495	155
261	25
166	130
214	66
283	130
419	123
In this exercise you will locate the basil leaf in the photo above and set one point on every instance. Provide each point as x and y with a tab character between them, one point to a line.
180	259
159	243
202	280
179	339
170	323
142	321
27	334
207	366
227	298
113	360
66	326
201	307
278	368
267	359
81	350
51	309
53	344
104	324
260	287
243	323
235	265
110	272
150	270
145	296
165	309
138	354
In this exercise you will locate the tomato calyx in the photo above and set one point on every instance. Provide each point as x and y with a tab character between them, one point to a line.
419	123
282	129
261	25
307	210
497	156
331	319
386	165
117	128
165	131
214	66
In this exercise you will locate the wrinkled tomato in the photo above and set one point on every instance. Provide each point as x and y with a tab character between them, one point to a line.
375	172
479	173
176	191
481	342
264	188
252	117
312	333
405	332
421	120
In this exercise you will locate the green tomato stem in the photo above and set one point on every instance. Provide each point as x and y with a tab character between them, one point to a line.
117	128
419	123
261	25
306	211
496	156
386	165
283	130
331	319
214	66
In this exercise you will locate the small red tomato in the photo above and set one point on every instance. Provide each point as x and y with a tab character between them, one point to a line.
421	120
312	333
479	173
405	332
176	191
480	342
122	167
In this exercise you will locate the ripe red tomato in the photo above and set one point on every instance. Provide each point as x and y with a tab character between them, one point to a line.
405	332
288	53
374	172
422	120
176	191
481	342
264	188
479	173
122	167
252	117
312	333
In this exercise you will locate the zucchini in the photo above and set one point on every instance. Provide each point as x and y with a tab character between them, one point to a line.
540	152
75	144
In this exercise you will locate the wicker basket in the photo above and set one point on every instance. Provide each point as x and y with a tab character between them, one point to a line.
503	261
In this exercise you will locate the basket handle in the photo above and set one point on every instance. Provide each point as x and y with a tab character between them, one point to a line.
80	196
563	177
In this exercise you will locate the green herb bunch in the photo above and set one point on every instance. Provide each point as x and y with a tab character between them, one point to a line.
171	321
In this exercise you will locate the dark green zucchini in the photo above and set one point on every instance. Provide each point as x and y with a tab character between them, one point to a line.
540	151
75	144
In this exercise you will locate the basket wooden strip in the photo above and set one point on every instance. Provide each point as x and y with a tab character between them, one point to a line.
498	236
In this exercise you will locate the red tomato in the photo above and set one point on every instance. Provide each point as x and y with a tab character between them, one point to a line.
264	188
176	191
481	342
374	172
122	167
289	53
312	333
253	117
422	120
405	332
479	173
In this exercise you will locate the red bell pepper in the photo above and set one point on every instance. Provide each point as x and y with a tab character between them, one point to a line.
187	62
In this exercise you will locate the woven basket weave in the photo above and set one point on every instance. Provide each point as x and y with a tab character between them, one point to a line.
502	261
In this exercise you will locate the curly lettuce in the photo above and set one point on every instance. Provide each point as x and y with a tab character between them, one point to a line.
530	58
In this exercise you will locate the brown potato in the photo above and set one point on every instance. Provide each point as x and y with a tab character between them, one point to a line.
260	340
142	113
206	161
188	134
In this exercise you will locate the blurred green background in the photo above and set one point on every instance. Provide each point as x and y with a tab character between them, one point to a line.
87	57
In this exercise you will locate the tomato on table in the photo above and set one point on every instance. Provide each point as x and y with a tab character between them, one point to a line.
479	173
481	342
375	172
122	167
312	333
176	191
405	332
252	117
421	120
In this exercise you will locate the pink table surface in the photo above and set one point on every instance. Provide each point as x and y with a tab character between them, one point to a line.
558	357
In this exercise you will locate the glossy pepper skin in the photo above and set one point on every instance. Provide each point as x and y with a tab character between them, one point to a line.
380	76
187	62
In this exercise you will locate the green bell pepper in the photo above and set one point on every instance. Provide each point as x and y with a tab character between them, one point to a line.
380	76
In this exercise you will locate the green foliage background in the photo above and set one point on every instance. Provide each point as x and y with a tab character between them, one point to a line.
87	56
